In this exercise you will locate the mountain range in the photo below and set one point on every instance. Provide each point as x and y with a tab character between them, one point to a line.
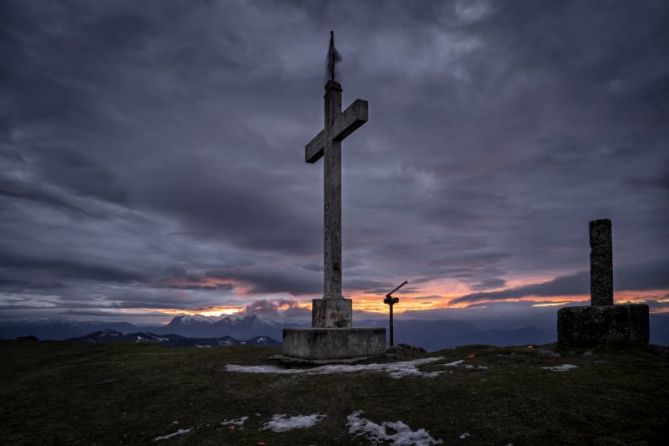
241	327
169	340
426	333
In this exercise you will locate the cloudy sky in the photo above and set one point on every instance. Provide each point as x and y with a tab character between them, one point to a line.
152	153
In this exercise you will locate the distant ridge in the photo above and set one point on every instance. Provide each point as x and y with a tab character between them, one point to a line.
169	340
59	329
432	334
236	326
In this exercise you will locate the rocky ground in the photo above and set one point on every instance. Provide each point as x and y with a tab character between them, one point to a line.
57	393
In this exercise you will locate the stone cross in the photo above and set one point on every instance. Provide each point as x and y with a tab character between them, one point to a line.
601	263
331	335
327	145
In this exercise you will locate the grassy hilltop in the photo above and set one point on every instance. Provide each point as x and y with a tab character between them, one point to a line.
59	393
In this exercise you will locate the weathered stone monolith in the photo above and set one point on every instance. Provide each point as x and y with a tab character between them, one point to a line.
602	322
601	263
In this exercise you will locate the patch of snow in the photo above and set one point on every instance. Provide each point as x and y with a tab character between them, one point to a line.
148	337
233	317
173	434
464	436
477	367
197	318
202	346
281	423
235	421
454	363
549	353
401	435
240	319
394	369
561	368
155	337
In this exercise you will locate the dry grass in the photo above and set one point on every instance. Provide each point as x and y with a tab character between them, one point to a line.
58	393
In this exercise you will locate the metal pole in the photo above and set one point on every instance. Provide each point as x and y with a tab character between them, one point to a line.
392	341
390	300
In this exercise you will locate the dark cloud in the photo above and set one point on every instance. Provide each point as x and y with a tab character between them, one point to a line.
574	284
142	142
11	285
639	277
489	283
495	314
43	196
657	305
66	269
273	309
263	279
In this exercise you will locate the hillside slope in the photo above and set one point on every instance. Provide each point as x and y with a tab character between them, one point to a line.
56	393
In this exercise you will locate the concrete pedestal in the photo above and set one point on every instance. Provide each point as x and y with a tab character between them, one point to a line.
332	313
333	343
603	324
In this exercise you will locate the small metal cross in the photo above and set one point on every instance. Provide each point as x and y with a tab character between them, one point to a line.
390	301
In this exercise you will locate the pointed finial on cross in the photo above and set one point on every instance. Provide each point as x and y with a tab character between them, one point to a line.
333	58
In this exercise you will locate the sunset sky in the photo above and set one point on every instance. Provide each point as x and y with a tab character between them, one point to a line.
152	155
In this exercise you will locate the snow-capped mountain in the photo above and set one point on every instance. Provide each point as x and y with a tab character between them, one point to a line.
195	319
237	326
262	341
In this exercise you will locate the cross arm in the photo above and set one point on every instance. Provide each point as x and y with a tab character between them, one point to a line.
350	119
346	123
314	150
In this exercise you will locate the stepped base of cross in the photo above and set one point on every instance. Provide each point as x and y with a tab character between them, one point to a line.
332	335
603	324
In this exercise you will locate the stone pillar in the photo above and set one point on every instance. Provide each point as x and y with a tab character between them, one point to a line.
601	263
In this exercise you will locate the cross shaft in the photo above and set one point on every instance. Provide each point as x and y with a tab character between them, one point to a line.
327	145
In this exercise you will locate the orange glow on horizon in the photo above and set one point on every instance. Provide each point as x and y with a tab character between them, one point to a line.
438	294
431	299
205	311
